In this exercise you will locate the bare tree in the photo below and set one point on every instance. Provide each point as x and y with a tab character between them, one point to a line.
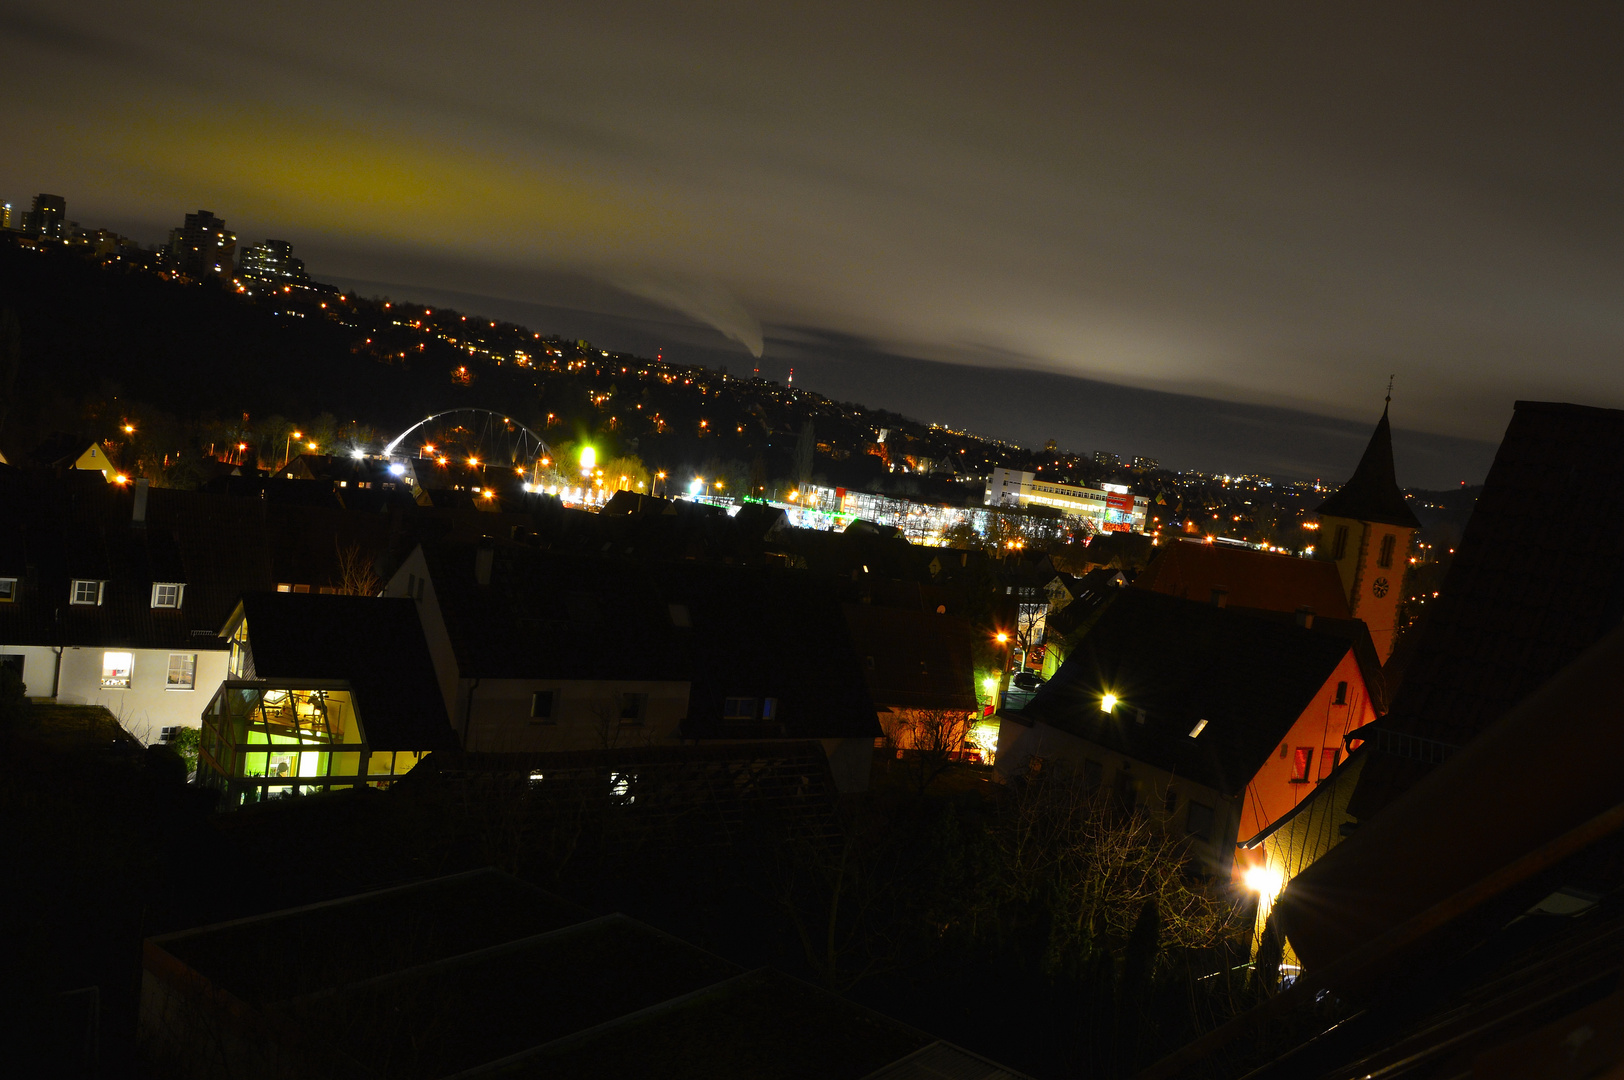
931	741
356	576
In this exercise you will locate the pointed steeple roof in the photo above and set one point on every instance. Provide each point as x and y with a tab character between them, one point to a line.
1372	492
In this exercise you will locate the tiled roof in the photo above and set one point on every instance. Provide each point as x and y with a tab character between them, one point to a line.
1182	662
555	615
55	530
730	631
1538	577
1372	492
1254	579
374	643
914	659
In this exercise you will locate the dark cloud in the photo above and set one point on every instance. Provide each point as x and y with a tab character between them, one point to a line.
1271	205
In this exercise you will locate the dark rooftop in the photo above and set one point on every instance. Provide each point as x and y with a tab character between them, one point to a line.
1538	577
374	643
1181	662
1372	492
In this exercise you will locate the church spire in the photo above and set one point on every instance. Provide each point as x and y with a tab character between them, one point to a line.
1372	492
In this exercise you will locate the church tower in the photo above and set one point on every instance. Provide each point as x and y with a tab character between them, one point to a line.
1366	529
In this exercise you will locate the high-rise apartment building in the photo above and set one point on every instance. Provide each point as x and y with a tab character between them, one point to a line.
47	216
272	263
1105	459
203	247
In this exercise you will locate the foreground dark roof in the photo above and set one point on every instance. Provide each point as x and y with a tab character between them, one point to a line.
1181	662
1372	492
403	982
374	643
1538	577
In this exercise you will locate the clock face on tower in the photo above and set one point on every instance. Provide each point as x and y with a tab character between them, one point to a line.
1379	587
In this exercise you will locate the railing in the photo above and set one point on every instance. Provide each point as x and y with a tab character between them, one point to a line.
1413	747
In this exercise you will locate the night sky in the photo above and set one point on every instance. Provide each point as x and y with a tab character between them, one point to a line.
1227	224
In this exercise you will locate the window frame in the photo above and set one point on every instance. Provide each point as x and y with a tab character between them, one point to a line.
1341	693
731	704
191	670
536	697
1339	543
633	707
8	590
1384	556
180	595
1302	763
74	589
113	682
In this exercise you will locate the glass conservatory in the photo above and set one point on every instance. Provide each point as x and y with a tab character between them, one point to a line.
263	741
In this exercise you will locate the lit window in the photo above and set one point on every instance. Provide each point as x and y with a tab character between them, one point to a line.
116	670
541	705
8	590
739	708
769	708
166	594
1300	763
86	592
182	671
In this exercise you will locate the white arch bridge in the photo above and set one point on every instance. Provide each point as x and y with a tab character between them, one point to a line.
485	435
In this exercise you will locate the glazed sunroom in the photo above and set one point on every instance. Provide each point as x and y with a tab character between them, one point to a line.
323	693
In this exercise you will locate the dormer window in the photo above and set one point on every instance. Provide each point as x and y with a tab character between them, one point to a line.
86	592
8	590
166	594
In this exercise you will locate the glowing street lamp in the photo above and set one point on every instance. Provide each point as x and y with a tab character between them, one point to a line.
589	458
1108	702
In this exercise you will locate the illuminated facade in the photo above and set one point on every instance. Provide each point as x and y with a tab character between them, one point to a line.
327	693
1110	508
921	523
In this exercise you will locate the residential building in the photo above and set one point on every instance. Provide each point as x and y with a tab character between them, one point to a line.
322	692
539	650
1365	530
1105	459
107	596
48	217
271	262
1109	508
920	672
1143	463
203	247
1215	721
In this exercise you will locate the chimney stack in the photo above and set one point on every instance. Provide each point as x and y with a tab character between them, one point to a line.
138	516
1220	596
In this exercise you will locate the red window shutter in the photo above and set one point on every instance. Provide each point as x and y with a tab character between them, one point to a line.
1300	765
